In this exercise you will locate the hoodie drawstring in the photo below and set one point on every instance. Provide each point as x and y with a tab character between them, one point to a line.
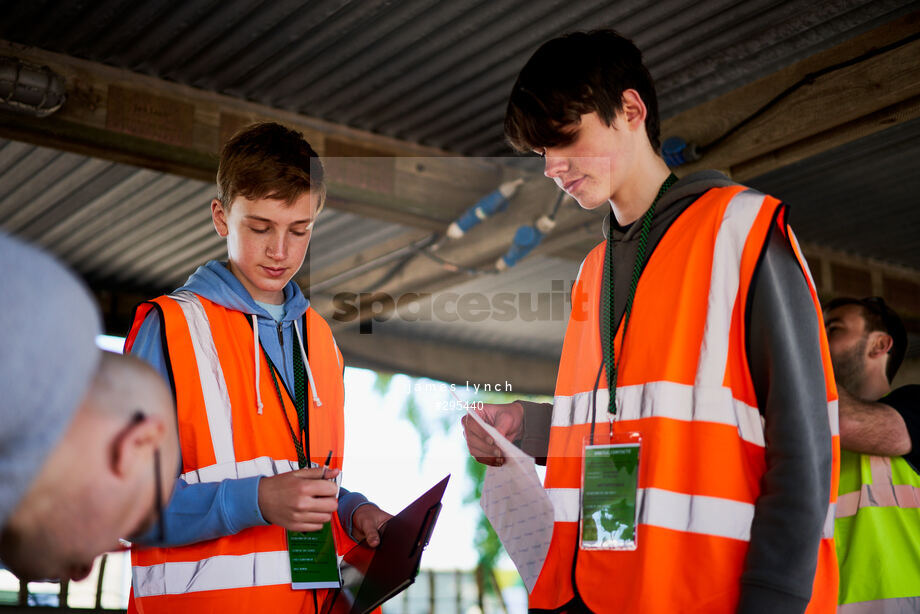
306	363
255	359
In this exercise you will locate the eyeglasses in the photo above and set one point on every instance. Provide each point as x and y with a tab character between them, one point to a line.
160	533
158	500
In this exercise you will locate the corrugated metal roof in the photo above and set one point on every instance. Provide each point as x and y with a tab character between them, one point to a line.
142	230
339	236
860	198
111	222
132	228
426	70
433	72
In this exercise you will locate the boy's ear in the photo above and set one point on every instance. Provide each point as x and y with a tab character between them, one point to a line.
634	109
219	217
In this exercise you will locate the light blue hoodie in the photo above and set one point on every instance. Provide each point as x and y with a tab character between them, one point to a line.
202	511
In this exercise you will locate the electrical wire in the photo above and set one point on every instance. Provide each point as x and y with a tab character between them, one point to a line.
428	251
414	250
458	268
428	246
555	210
807	80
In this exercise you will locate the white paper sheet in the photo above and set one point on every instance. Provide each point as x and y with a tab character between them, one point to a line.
517	506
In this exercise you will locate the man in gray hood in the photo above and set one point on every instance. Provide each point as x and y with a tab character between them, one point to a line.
82	433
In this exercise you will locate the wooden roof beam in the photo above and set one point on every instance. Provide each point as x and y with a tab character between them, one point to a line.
135	119
835	108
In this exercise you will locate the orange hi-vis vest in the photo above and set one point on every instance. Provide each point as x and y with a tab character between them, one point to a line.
223	435
684	384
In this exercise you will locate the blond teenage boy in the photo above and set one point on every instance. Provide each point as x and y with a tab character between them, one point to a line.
259	390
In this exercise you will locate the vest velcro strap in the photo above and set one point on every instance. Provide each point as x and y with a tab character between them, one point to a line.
214	573
896	605
673	510
263	466
664	400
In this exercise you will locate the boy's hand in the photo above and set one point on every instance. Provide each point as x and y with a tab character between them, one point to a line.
507	418
367	522
302	500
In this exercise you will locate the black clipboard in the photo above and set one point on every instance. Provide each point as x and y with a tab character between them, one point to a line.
371	576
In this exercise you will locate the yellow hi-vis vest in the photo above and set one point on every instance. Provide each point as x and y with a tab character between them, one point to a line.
878	535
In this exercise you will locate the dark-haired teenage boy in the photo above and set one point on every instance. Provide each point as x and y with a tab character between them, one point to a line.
698	311
258	380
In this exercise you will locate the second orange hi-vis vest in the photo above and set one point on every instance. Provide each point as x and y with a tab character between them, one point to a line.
684	384
222	435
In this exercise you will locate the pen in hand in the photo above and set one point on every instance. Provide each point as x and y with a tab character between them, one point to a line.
326	463
326	468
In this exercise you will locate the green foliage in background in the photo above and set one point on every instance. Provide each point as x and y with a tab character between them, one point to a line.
485	540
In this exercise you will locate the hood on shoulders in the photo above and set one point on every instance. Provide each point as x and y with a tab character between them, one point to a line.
685	191
215	282
694	184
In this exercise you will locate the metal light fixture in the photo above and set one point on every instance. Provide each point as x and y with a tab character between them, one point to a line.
29	88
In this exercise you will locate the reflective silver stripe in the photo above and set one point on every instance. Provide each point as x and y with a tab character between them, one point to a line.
828	531
895	605
736	225
695	513
565	503
214	573
337	351
244	469
580	267
802	261
878	495
664	400
672	510
211	376
833	409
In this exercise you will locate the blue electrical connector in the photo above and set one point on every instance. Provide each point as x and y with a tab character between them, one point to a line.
677	151
526	238
490	204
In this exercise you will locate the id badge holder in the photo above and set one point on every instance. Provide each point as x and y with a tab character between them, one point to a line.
313	559
609	489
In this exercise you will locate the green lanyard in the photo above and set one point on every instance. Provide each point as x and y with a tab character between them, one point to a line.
302	442
608	330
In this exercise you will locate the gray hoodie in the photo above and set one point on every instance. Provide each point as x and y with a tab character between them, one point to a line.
48	328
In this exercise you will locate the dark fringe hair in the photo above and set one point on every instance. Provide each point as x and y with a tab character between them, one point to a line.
567	77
